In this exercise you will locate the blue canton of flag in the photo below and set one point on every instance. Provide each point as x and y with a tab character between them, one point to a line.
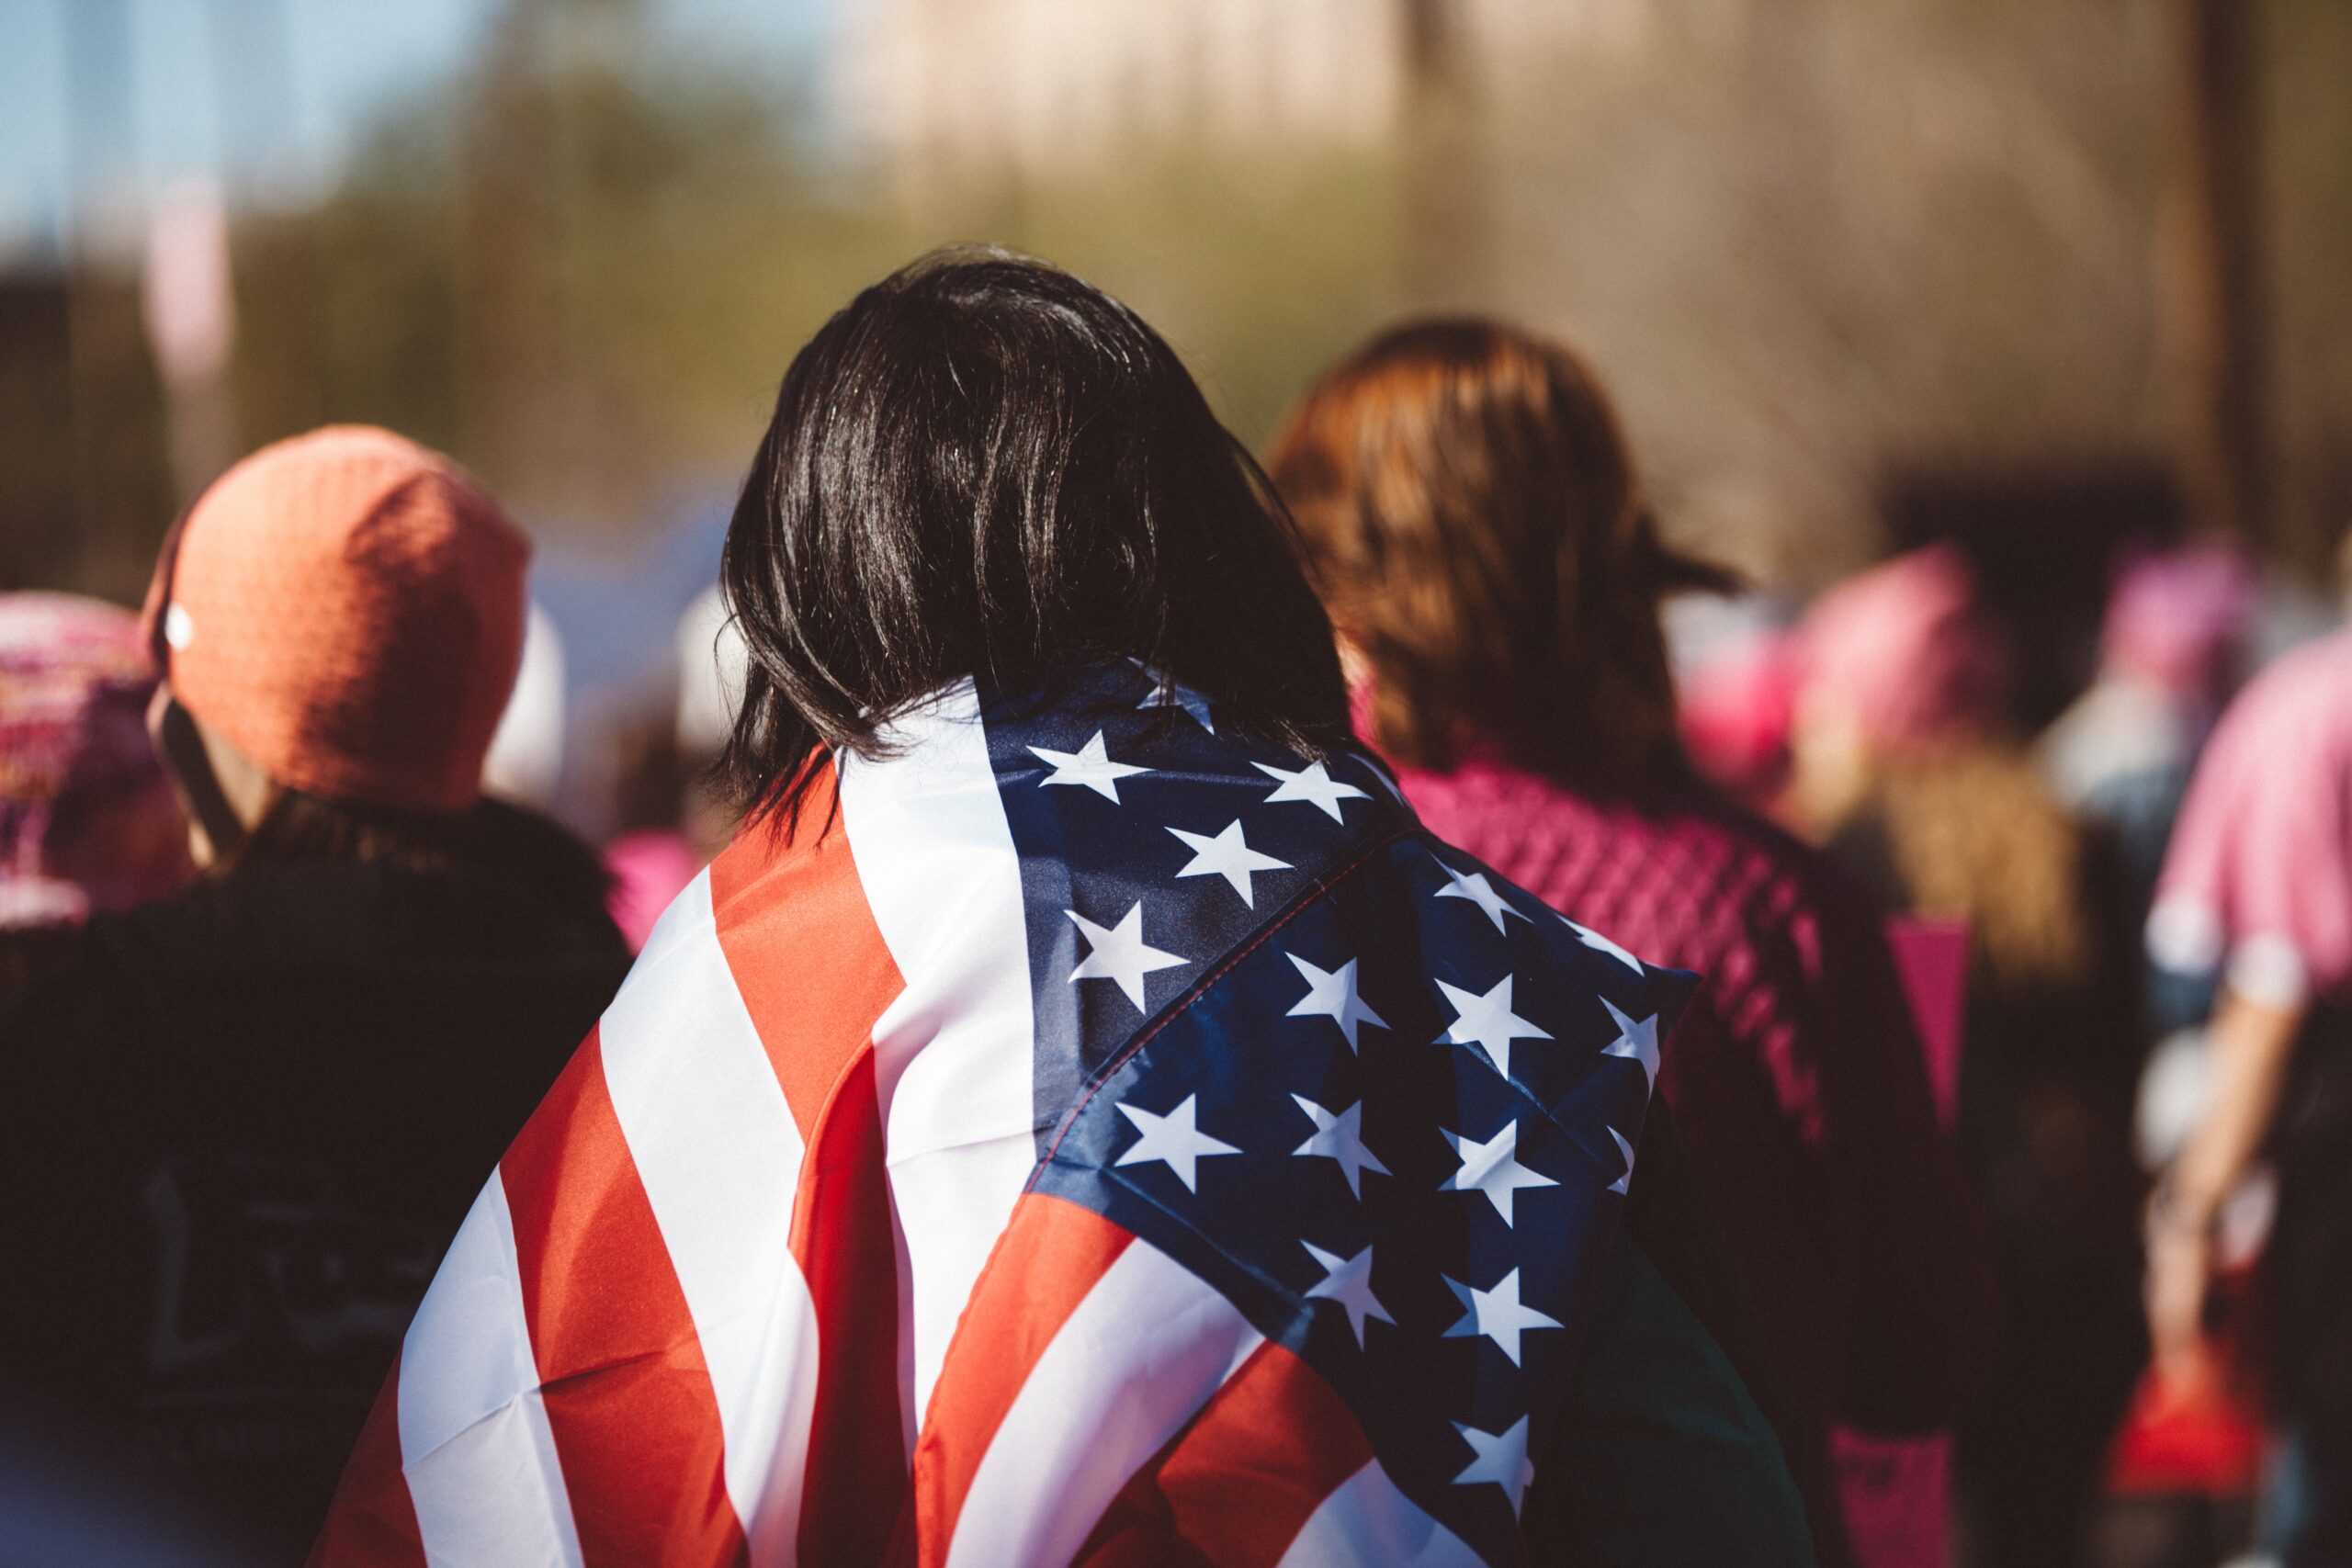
1383	1100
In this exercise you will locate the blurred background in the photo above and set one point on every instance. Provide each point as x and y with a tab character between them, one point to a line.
2045	276
2065	286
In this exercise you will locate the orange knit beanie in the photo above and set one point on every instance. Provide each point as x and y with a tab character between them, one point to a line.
346	609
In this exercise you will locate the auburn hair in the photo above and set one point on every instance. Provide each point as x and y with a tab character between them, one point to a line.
1479	533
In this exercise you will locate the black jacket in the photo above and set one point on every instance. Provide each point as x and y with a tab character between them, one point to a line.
238	1129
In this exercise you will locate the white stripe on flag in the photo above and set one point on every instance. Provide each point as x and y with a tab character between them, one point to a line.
475	1445
954	1054
1367	1521
718	1153
1145	1349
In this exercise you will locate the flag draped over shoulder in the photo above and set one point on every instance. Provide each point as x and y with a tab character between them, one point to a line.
1084	1138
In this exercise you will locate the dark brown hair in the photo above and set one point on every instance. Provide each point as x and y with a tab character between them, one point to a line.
985	466
1479	533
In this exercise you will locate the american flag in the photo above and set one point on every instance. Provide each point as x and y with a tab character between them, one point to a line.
1105	1140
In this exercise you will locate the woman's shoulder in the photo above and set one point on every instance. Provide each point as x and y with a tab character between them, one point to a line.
1756	871
1675	858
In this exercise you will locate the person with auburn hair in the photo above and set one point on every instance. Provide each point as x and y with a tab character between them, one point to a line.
1082	1117
1480	532
238	1125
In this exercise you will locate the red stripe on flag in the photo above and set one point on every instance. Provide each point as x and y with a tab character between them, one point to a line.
1049	1257
1241	1480
628	1399
801	942
779	900
372	1523
842	1237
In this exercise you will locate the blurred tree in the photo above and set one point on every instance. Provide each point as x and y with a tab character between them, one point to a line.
39	477
2216	317
1443	235
100	372
580	269
2305	213
1810	244
584	268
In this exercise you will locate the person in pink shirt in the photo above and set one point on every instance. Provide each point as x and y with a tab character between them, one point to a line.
1476	525
2258	886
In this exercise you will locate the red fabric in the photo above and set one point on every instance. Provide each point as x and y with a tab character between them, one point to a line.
1236	1486
347	608
1047	1260
1932	957
639	1434
2204	1435
778	895
857	1477
373	1523
1796	1082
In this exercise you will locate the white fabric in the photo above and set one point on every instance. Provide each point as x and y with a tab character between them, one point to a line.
475	1443
954	1052
719	1154
1145	1349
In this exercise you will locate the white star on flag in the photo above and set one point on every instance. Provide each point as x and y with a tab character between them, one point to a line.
1492	1168
1626	1151
1339	1137
1488	1022
1172	1139
1331	993
1314	785
1502	1458
1479	891
1090	766
1348	1280
1227	855
1593	939
1635	1042
1119	953
1495	1313
1184	697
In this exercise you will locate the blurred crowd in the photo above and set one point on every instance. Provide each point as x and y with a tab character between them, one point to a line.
2017	1095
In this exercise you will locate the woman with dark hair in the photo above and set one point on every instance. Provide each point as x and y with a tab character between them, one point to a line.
1480	532
1082	1117
240	1123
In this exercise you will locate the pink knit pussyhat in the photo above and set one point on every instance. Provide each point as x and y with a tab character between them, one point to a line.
88	820
1908	651
2179	619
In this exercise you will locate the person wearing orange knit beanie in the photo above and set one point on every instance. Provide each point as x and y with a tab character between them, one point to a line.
341	615
241	1124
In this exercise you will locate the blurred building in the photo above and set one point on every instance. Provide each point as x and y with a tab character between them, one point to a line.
1039	86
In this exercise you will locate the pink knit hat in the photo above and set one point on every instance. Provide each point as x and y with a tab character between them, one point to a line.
1906	650
86	818
347	608
2179	618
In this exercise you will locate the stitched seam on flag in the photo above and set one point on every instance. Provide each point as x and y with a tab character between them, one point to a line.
1313	893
